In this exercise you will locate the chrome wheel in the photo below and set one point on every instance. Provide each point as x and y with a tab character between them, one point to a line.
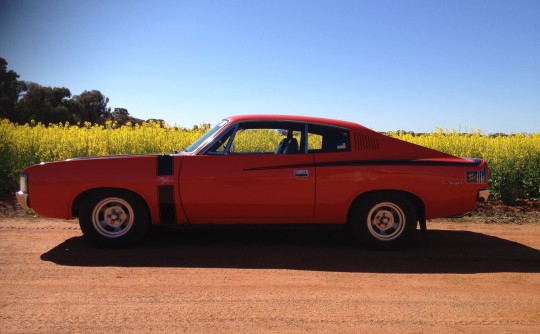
112	217
386	221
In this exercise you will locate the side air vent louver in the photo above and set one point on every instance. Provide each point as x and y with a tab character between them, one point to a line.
363	142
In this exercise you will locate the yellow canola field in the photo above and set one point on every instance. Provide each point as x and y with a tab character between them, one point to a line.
514	160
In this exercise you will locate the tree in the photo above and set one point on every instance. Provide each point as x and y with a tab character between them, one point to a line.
120	116
44	104
91	106
21	102
10	90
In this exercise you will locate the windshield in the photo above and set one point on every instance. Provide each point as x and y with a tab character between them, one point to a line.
207	135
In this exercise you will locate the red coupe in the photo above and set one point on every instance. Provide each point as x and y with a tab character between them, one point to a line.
263	169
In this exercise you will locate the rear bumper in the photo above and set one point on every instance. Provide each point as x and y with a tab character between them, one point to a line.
22	198
483	195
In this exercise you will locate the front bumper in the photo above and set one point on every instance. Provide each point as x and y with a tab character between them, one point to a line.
22	198
483	195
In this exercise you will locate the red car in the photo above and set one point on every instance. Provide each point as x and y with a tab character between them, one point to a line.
263	169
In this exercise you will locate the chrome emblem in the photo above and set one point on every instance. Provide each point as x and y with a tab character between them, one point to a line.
164	180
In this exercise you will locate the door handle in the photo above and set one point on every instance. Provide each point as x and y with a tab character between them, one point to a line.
301	173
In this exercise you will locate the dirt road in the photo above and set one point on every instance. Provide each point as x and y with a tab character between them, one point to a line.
459	278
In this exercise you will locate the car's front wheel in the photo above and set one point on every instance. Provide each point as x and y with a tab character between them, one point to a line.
114	218
383	221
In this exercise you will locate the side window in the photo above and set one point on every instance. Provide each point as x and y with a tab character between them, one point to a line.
323	139
256	141
262	138
314	142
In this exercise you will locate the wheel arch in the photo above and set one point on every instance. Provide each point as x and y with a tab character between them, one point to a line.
415	200
79	200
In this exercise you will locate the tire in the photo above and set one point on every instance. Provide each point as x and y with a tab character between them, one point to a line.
114	218
383	221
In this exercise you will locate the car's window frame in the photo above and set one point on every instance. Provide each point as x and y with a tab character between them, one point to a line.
234	128
206	138
231	132
303	127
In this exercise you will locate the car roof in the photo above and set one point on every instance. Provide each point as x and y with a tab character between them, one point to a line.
294	118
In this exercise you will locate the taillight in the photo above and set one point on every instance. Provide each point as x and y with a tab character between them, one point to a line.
476	176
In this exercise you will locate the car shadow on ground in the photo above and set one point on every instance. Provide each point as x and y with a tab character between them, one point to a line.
317	249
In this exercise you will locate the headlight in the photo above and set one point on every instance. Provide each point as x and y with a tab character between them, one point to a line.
24	183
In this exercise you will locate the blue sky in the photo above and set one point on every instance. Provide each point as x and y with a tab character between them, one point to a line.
387	64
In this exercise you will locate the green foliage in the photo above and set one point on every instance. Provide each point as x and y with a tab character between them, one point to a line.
92	107
44	104
10	90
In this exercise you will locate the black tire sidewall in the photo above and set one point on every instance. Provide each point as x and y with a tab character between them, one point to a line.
135	233
359	225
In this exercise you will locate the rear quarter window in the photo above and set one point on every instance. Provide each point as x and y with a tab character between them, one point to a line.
324	139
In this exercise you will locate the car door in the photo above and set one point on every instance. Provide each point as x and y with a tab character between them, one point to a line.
249	184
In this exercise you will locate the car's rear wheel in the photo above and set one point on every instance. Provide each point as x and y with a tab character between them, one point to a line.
114	218
383	221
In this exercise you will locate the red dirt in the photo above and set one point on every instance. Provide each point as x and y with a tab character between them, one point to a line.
459	277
